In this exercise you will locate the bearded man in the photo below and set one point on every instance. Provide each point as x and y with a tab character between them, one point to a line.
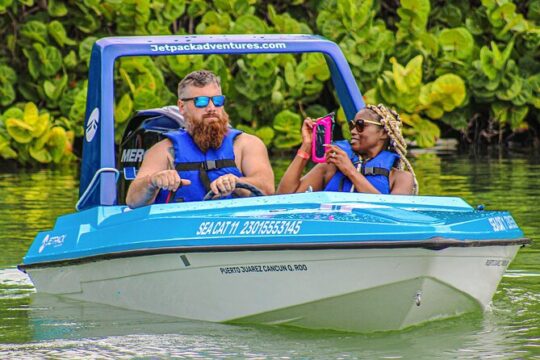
207	155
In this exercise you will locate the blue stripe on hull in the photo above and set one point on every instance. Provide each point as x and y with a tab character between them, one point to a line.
307	218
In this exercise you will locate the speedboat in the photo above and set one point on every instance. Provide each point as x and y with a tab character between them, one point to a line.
317	260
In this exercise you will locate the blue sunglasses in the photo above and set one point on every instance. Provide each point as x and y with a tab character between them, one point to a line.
203	101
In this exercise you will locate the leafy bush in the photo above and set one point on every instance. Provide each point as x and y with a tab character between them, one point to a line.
437	62
404	89
32	136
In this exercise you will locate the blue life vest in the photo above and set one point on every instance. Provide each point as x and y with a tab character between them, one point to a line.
201	168
376	170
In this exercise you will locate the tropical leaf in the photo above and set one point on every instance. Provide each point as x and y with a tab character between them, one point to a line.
457	119
42	125
55	88
213	22
19	130
4	4
6	152
70	60
316	111
457	43
284	23
449	90
7	75
182	65
7	94
31	114
508	114
57	143
58	33
249	24
287	121
85	49
123	109
41	155
56	8
409	77
35	31
266	134
13	112
197	8
424	132
174	9
50	59
413	18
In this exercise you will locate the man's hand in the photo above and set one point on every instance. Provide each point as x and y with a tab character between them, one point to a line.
156	172
167	180
224	185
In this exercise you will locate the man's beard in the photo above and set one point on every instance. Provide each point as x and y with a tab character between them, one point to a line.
208	134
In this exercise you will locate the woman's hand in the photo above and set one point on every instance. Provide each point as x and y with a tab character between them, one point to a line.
335	155
307	134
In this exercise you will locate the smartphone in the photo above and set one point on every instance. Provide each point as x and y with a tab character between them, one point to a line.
322	135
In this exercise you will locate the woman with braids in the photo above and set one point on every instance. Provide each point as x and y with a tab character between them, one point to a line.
373	161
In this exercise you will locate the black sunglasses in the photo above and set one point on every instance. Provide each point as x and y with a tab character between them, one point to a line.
203	101
360	124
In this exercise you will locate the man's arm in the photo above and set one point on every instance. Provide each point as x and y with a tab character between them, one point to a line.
254	162
156	172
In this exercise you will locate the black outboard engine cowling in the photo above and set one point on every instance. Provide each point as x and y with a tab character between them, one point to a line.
143	130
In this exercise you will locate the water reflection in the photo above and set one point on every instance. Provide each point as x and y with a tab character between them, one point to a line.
67	328
37	326
31	202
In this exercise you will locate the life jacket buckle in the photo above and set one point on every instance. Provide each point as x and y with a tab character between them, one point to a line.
210	165
369	171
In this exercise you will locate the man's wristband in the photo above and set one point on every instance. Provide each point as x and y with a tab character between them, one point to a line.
303	154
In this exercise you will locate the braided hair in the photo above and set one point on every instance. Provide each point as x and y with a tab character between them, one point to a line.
391	123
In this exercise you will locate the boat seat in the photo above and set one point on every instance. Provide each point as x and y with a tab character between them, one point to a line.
143	130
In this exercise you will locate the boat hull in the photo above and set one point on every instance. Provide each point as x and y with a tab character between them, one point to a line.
360	290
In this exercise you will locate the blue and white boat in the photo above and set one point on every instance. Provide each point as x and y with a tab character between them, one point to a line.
320	260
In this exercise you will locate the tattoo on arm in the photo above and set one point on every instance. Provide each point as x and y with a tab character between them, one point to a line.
170	164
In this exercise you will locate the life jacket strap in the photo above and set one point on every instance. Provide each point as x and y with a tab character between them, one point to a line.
203	167
375	171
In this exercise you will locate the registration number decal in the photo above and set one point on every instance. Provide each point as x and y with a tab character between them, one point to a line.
502	223
250	227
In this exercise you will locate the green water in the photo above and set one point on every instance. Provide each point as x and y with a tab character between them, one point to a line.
37	326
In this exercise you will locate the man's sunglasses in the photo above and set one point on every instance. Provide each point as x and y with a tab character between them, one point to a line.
360	124
203	101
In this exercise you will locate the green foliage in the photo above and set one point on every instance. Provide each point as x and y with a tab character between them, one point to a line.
288	125
508	114
265	133
364	40
436	62
8	78
4	5
414	17
143	87
456	44
504	19
33	137
286	24
403	88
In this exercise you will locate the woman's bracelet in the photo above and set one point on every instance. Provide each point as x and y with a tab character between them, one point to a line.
303	154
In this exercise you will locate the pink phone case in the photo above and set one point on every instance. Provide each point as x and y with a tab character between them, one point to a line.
326	123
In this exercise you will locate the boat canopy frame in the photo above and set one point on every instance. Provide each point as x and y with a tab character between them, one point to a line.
98	142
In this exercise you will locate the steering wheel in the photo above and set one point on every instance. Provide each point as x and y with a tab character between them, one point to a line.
255	191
